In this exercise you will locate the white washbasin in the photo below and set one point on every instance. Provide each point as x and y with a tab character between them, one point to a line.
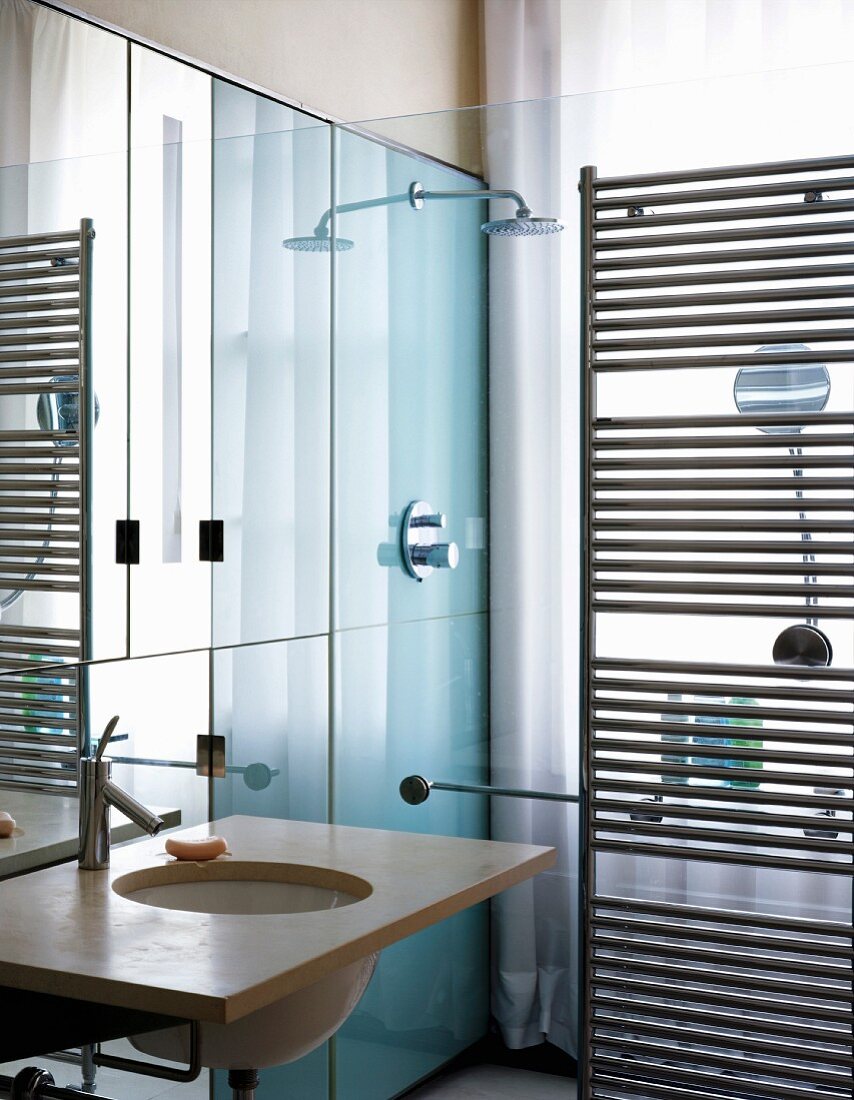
296	1024
242	897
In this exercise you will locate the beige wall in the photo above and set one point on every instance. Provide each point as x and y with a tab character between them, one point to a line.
354	59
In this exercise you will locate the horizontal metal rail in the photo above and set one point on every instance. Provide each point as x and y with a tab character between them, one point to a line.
728	462
621	754
60	236
799	692
810	315
698	708
722	172
27	339
621	565
42	255
741	359
677	728
700	237
756	819
41	289
711	546
733	526
49	320
694	443
729	194
706	298
728	275
415	789
22	275
665	830
723	256
721	588
698	668
695	854
722	339
713	504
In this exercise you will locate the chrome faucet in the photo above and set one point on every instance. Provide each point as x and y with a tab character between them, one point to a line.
98	793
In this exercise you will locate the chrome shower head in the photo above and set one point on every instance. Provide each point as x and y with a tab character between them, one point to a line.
522	227
317	243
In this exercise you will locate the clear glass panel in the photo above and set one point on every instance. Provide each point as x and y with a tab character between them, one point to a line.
271	345
270	703
170	489
410	401
412	698
163	704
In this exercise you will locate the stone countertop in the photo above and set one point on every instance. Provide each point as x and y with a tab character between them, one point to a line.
48	829
67	932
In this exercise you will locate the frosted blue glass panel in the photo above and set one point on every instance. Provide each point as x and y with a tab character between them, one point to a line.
270	704
410	389
413	698
270	372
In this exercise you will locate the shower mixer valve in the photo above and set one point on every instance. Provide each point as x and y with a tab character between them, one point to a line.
419	541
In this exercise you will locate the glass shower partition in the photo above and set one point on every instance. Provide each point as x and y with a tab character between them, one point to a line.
409	657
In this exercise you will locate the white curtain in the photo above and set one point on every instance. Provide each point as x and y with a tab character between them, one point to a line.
535	49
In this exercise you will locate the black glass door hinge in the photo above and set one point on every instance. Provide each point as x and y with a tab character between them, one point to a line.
211	540
127	542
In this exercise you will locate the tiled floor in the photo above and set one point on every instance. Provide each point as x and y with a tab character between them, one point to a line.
497	1083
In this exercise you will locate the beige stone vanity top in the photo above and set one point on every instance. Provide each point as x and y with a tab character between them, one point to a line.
68	932
48	827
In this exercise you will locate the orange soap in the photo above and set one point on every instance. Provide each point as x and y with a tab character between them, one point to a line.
208	847
7	824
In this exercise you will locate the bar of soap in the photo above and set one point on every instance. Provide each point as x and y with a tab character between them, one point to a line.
209	847
7	824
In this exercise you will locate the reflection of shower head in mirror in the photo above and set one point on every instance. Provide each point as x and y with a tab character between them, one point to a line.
782	388
799	389
60	413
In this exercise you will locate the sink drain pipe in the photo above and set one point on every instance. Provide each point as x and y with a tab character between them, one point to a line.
243	1083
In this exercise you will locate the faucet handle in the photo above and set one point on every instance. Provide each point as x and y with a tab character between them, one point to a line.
106	736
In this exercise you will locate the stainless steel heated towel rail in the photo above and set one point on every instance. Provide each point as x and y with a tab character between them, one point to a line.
45	489
717	796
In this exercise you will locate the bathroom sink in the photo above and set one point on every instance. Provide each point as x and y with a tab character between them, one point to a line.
292	1026
242	889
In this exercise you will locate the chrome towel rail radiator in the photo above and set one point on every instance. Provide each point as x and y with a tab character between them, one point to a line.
45	492
690	517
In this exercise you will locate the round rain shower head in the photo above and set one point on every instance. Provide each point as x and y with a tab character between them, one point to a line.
317	244
59	412
522	227
782	388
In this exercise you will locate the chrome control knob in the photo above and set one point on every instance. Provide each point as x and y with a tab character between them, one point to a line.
435	519
442	555
420	548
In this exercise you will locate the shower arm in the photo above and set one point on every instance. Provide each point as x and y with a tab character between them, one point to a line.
416	196
322	227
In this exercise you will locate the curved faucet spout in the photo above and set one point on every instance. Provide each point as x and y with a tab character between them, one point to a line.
126	804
